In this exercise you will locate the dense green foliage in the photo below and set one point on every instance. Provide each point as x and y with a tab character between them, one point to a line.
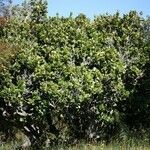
73	78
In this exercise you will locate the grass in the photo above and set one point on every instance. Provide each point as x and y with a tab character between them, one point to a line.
102	146
124	145
9	146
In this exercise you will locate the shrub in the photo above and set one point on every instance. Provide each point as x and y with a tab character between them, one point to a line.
72	76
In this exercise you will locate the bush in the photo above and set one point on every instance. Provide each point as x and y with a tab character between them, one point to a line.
72	75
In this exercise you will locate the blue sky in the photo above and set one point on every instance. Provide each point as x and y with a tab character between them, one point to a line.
95	7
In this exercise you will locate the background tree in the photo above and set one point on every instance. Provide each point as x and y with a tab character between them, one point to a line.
6	8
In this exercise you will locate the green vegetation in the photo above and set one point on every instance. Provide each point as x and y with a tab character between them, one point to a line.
64	80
